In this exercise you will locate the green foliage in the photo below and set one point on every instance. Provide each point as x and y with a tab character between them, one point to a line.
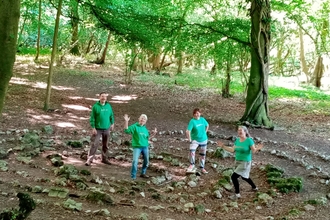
32	51
284	185
317	201
75	144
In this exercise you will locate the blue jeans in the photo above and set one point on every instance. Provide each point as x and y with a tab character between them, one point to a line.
136	154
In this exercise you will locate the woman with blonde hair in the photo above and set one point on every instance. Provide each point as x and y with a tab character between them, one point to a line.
140	143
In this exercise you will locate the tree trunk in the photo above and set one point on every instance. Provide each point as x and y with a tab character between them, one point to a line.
180	62
156	61
104	54
9	17
318	72
135	63
142	62
303	62
226	87
278	70
130	59
54	49
88	49
256	111
38	37
21	32
74	24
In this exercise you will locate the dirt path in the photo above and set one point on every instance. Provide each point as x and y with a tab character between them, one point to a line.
300	151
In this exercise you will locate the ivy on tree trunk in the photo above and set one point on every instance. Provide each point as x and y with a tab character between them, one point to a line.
9	17
256	112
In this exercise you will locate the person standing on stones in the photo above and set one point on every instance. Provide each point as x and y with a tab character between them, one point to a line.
197	136
102	120
140	143
243	148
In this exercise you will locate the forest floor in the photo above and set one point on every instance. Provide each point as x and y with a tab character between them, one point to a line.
300	145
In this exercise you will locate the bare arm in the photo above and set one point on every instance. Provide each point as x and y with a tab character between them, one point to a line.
153	133
188	135
257	147
229	149
126	121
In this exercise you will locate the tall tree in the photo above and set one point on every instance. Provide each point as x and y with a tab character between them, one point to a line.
9	17
52	59
74	23
256	111
38	37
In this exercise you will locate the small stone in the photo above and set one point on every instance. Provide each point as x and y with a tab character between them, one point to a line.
309	207
217	194
328	196
192	184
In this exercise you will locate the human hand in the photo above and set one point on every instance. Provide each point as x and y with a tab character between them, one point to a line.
126	117
94	132
259	146
112	127
154	131
220	144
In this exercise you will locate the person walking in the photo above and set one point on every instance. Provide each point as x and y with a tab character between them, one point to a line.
102	121
243	148
140	143
197	136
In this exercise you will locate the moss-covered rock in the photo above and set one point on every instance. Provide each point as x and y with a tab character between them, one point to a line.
96	195
284	185
75	144
221	153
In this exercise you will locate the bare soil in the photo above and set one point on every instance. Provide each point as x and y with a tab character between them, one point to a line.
301	141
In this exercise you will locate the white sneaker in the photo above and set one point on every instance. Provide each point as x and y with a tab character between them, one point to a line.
235	197
204	171
191	169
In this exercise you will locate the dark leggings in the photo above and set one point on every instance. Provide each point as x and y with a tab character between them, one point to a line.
235	177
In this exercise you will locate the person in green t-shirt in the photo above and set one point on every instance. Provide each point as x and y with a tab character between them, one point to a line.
243	147
102	120
197	137
140	143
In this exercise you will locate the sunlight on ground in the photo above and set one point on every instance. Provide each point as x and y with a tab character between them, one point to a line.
76	107
75	97
41	85
65	125
41	117
91	99
123	98
74	161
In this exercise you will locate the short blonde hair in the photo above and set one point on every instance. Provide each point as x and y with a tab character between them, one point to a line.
144	116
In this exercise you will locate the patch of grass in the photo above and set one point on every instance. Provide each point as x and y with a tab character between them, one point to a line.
78	72
310	93
195	79
108	82
32	51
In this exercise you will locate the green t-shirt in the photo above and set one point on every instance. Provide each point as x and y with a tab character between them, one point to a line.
102	116
197	129
243	149
140	135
